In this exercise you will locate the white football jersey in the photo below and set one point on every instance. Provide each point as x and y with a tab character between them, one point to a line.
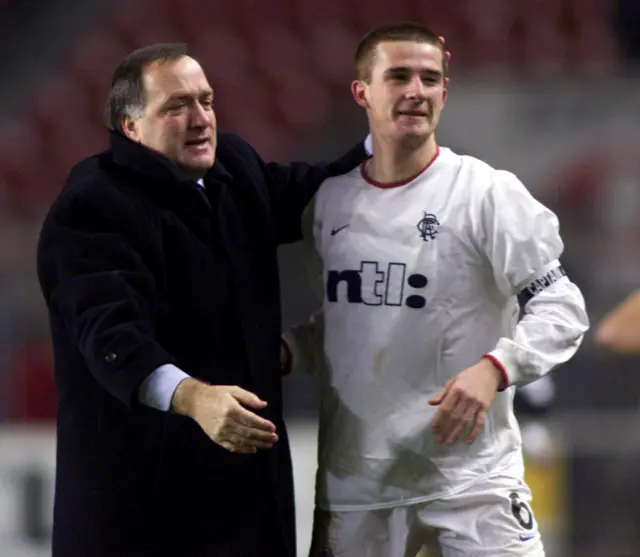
420	280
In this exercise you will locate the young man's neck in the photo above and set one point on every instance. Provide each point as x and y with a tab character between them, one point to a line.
390	163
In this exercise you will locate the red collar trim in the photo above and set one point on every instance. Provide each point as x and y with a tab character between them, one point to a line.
395	184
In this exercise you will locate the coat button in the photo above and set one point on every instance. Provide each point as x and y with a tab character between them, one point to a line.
110	357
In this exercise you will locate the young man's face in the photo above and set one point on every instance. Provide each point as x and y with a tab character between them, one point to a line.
406	92
178	120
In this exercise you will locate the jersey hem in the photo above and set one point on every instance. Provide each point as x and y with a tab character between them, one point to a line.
414	500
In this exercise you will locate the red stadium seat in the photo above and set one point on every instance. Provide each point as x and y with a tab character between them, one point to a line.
244	93
223	54
266	135
60	97
21	145
327	50
142	22
438	16
536	11
23	166
488	29
253	15
280	53
378	12
303	102
280	67
590	10
545	49
73	141
311	16
490	19
594	48
96	58
195	17
33	394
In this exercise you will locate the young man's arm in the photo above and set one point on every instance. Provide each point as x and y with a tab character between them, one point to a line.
303	344
520	239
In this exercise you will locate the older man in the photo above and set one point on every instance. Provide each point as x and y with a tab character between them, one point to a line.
160	273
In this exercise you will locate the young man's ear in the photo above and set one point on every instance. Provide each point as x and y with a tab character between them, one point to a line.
359	92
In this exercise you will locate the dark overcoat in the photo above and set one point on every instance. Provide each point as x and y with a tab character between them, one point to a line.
138	269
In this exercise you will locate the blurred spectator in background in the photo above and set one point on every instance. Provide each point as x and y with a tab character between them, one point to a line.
619	330
628	28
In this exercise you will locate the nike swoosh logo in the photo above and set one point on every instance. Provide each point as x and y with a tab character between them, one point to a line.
334	231
526	538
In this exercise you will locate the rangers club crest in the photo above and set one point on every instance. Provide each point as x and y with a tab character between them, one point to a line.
428	226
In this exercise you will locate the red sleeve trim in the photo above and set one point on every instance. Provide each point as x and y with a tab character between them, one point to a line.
498	364
287	367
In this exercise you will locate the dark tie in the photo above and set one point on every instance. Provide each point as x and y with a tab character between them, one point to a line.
203	194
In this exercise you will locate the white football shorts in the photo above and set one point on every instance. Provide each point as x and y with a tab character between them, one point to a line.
492	518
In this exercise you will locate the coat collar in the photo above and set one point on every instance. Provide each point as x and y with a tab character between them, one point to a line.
137	157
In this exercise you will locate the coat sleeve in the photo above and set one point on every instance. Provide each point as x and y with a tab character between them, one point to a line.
292	186
96	282
520	239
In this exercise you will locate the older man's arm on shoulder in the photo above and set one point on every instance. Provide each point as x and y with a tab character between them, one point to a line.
619	330
292	186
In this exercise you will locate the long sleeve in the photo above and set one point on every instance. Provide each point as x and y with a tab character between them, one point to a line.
520	239
94	276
